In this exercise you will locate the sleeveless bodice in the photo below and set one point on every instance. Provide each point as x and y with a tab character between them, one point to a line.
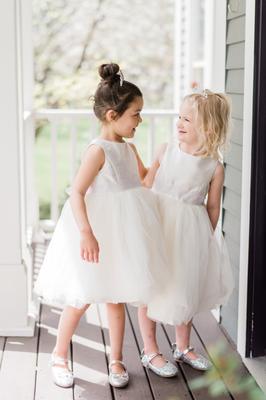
183	176
120	169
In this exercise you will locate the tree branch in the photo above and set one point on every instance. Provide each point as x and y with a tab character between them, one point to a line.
90	34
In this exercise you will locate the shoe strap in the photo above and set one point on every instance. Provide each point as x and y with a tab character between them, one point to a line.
151	356
113	362
58	360
186	351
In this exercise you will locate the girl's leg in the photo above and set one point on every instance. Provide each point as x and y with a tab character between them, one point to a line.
197	361
116	322
68	322
148	333
183	339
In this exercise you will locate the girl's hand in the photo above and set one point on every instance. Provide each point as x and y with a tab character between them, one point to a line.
151	172
142	170
89	248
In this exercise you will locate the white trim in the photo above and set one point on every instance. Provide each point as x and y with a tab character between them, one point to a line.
55	113
27	83
215	45
15	258
25	331
177	45
246	175
20	142
214	60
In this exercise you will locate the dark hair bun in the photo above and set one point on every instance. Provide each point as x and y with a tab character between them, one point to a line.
113	92
109	72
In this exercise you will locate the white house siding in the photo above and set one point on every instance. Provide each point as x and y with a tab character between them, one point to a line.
234	86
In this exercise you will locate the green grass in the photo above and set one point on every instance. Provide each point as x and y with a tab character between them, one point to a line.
84	128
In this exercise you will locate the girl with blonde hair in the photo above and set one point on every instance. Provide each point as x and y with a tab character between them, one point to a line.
188	177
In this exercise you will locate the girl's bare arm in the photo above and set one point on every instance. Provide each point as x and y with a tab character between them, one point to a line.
149	178
147	174
89	168
214	195
141	167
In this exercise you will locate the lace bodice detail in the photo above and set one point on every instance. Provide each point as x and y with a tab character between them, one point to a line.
183	176
120	169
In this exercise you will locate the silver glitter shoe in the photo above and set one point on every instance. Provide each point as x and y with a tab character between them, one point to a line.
62	376
118	380
201	363
168	370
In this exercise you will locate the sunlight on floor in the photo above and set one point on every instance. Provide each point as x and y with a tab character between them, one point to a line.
16	343
91	375
80	340
90	343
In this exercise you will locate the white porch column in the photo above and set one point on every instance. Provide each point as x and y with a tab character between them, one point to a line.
215	45
32	209
14	270
189	46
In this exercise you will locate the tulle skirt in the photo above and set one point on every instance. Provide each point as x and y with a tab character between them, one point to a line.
200	272
131	259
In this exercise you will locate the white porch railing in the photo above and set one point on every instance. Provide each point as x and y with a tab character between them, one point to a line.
157	127
31	201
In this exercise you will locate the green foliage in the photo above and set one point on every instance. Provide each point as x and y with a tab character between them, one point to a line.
229	367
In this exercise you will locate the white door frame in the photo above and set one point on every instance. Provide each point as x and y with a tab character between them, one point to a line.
246	175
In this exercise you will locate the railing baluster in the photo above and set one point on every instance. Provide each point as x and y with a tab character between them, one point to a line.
151	139
54	180
172	125
94	128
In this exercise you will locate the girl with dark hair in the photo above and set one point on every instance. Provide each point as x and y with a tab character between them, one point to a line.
107	245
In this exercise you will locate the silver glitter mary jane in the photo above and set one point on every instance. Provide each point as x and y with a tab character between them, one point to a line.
62	376
168	370
201	363
118	380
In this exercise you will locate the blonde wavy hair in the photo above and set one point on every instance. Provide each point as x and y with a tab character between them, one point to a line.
212	116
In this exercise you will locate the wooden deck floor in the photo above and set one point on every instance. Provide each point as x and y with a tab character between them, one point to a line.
25	371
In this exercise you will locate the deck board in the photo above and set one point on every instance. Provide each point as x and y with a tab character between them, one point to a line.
89	359
45	388
162	388
18	367
189	374
138	387
201	349
211	334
